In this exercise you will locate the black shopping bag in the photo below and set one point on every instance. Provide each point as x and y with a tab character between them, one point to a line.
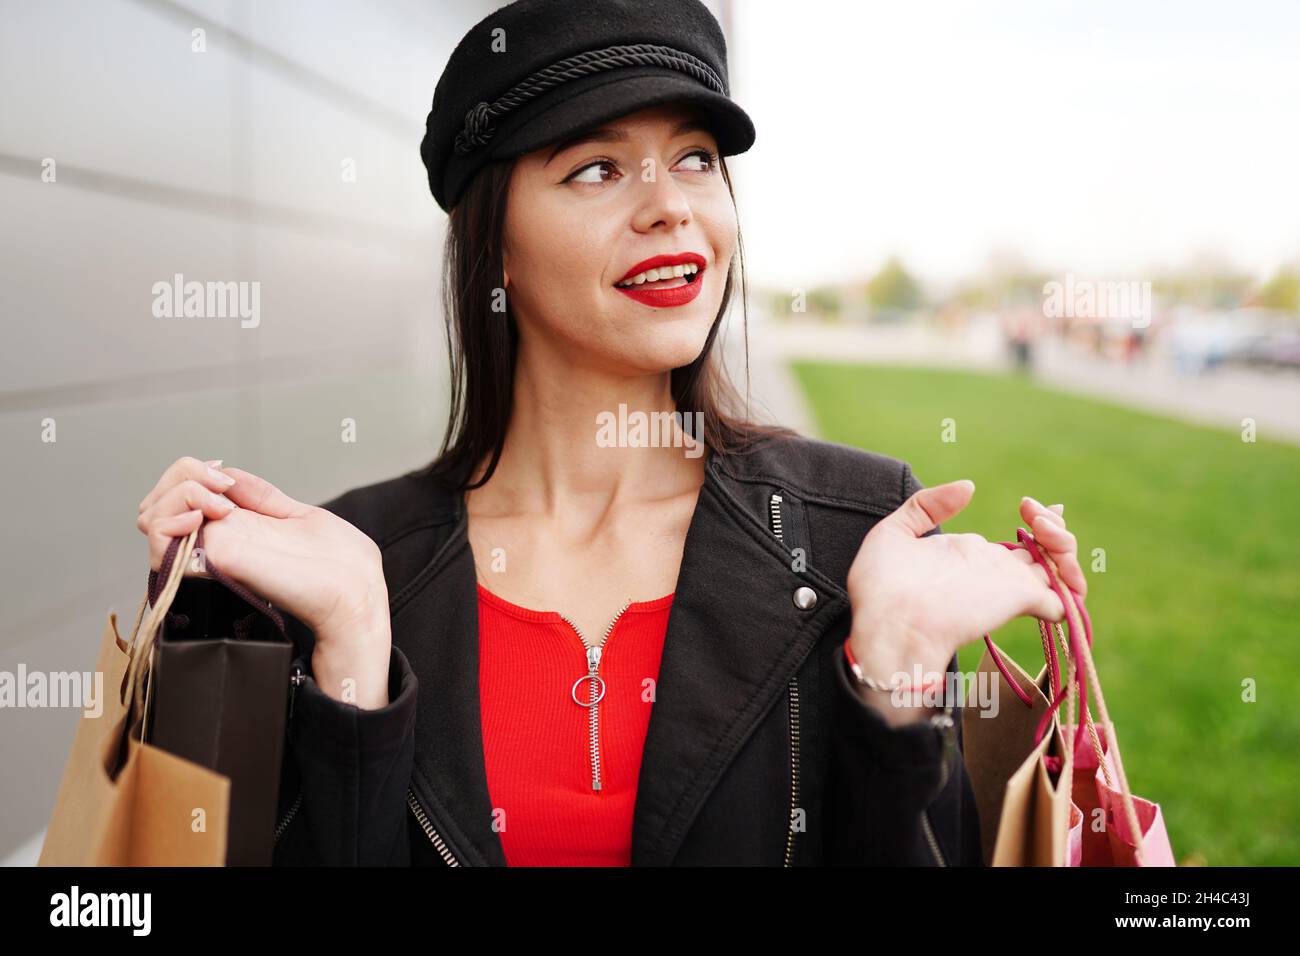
218	693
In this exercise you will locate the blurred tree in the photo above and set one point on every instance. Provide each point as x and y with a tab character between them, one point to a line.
1208	280
893	288
824	303
972	295
782	305
1282	291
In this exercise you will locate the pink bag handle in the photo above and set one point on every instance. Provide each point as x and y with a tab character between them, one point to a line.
1084	668
1049	651
1073	600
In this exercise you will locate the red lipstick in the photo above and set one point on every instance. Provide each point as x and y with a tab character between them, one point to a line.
661	297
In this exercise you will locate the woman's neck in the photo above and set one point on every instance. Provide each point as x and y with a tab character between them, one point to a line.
570	445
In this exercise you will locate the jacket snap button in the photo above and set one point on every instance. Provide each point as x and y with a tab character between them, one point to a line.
804	598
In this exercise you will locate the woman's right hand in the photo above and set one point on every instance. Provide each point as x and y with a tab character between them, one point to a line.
916	598
304	559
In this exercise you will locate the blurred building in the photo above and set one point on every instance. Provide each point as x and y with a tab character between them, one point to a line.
272	146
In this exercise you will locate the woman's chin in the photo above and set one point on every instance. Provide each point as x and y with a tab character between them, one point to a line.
673	348
691	319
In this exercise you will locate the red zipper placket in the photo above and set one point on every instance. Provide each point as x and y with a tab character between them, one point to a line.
597	689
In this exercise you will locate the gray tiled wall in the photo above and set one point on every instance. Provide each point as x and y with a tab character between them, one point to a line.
225	165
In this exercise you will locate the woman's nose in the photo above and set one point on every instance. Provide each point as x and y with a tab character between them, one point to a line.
662	201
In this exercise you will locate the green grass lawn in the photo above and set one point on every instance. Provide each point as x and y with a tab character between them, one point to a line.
1201	587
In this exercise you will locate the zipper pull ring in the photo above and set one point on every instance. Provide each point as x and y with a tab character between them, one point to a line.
599	685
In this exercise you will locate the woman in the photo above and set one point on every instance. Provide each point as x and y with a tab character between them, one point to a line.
758	591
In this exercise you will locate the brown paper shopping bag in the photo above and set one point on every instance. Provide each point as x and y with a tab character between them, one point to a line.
127	803
1023	802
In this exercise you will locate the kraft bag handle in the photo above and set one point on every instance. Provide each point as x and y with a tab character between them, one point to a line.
143	639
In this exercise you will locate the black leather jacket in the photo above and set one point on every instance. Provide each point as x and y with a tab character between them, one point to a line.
754	724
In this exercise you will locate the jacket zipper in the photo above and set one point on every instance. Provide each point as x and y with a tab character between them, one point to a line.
293	810
925	815
929	835
597	691
448	857
774	504
295	679
792	692
423	818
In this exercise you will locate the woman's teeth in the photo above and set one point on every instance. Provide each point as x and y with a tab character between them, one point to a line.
661	274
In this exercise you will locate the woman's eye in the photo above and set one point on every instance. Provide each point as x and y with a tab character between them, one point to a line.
707	160
590	173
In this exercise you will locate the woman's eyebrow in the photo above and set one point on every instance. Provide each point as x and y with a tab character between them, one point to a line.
606	135
590	136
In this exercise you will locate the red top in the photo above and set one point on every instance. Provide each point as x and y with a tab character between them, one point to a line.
544	751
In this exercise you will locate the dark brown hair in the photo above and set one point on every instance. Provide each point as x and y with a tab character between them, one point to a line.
482	345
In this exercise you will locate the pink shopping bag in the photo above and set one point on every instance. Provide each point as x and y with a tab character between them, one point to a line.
1106	834
1108	825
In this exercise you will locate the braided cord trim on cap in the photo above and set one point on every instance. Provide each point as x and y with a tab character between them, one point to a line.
480	121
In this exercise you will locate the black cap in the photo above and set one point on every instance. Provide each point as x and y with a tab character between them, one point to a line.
536	71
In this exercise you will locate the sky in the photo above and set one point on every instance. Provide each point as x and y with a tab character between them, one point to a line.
1104	138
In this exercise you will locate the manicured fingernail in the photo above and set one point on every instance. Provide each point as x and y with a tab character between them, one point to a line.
214	463
222	502
1059	509
1033	501
222	479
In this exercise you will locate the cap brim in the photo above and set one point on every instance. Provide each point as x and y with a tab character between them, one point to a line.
601	97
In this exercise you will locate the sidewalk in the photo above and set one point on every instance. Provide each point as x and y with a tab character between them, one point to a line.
1222	398
774	394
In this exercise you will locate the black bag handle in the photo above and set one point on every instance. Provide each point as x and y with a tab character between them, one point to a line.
159	577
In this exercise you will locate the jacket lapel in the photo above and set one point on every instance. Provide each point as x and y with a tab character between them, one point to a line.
734	639
437	629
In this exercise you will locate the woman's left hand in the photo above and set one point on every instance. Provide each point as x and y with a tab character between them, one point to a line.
916	599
